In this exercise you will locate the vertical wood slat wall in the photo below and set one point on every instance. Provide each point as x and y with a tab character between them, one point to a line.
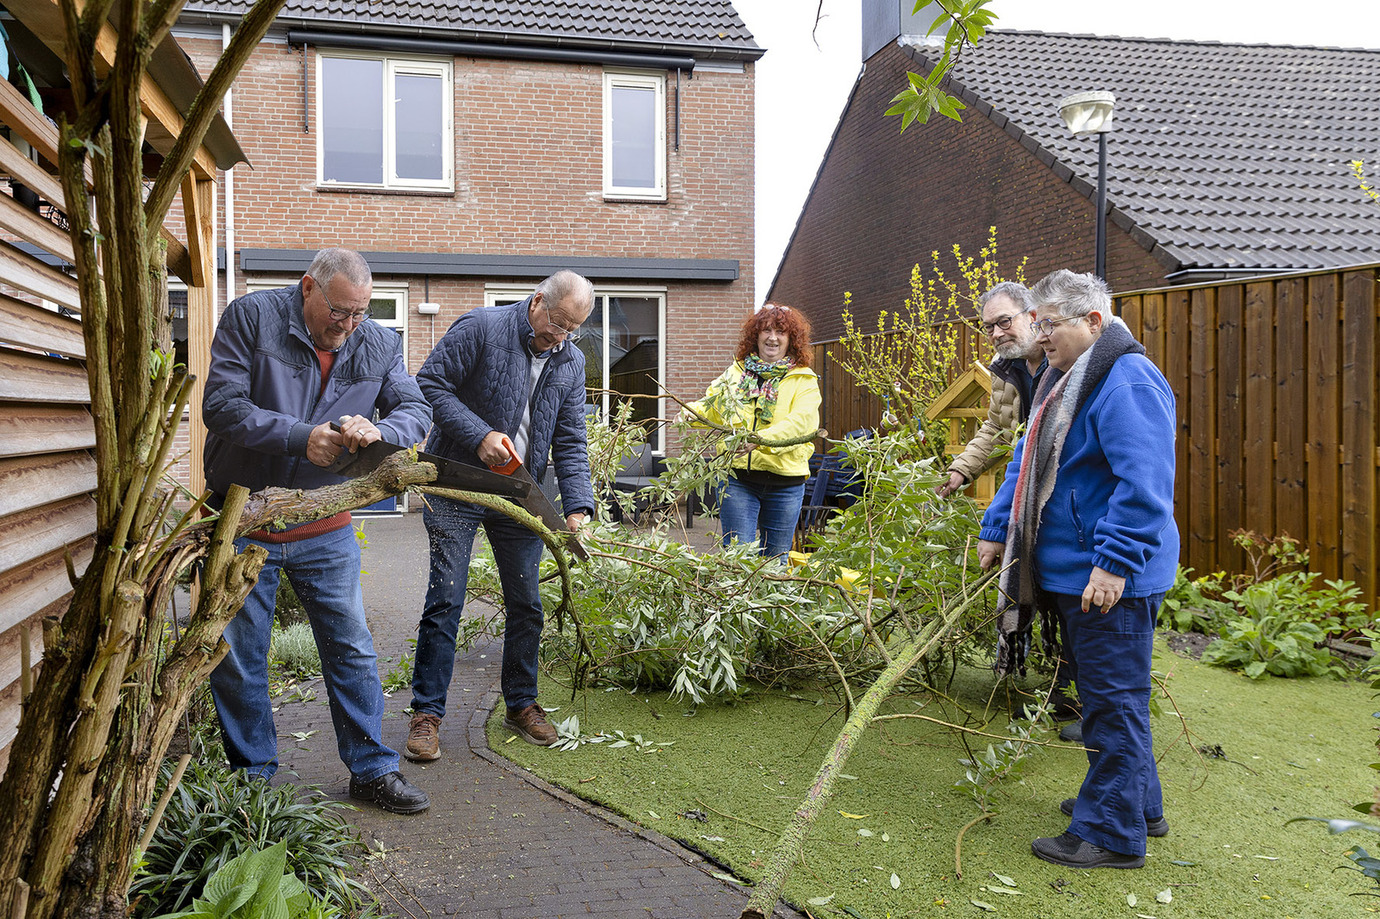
1276	383
47	468
1276	386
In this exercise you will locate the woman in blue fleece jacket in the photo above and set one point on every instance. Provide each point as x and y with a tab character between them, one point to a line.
1086	514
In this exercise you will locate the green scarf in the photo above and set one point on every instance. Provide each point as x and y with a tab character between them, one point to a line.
762	381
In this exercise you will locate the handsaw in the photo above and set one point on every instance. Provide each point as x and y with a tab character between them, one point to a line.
449	473
536	503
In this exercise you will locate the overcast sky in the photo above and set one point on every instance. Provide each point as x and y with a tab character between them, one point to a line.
804	81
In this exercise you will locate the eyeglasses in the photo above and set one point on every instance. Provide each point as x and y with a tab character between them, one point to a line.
1046	326
1003	323
571	335
338	315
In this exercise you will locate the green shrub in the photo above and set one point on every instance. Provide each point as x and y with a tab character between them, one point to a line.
1280	626
216	815
292	650
256	886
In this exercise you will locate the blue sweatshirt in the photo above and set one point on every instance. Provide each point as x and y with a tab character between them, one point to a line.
1113	501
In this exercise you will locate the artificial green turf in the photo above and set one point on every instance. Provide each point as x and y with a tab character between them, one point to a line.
1292	748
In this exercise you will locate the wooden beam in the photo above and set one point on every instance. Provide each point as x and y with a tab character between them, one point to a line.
201	327
25	591
17	112
18	220
27	429
28	377
44	19
31	534
51	477
31	326
19	269
27	172
196	232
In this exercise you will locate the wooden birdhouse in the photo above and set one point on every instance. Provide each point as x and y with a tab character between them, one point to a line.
964	406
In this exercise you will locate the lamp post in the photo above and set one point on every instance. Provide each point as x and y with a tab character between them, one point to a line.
1091	113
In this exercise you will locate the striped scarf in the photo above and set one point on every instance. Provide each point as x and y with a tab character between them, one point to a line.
1044	443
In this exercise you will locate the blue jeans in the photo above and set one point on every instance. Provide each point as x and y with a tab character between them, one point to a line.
324	570
1122	787
451	527
746	508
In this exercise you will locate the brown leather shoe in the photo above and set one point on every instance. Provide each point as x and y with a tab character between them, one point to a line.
531	725
423	738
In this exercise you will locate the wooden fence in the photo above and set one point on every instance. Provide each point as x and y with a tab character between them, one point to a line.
1276	382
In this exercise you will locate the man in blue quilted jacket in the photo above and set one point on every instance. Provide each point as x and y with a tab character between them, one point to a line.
284	365
505	371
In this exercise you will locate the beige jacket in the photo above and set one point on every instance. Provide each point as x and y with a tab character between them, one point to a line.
1004	414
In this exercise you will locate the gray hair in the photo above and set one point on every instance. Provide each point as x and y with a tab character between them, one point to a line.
1073	294
330	262
1018	293
567	285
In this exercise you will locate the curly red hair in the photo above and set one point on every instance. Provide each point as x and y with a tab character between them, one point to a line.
784	319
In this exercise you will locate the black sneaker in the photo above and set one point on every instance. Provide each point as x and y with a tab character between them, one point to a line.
1071	852
1159	826
1072	732
390	792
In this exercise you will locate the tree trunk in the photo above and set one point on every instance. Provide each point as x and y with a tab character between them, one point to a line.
788	848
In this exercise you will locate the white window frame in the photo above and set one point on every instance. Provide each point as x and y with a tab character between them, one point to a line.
497	294
393	65
641	80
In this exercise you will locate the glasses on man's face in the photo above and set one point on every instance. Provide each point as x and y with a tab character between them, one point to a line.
1046	326
1003	323
570	335
338	315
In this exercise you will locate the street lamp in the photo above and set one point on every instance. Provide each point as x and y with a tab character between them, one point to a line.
1091	113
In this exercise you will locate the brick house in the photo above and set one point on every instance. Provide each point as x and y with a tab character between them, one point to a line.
1225	161
613	138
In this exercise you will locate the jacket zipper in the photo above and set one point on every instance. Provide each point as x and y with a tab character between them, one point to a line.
1077	520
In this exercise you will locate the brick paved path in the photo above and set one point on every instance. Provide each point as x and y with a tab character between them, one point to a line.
497	843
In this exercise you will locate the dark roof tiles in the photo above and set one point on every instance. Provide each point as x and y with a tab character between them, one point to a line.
705	24
1226	155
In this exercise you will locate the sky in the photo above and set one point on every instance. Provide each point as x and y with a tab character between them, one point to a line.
804	79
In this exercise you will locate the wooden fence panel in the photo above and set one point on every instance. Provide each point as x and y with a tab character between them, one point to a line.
1258	410
1291	407
1231	511
1324	423
1201	518
1358	429
1152	328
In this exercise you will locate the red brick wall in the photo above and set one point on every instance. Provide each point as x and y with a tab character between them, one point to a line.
886	200
528	181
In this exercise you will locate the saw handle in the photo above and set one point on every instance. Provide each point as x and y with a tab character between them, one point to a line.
514	461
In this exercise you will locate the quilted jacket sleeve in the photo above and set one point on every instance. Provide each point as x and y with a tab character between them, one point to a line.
404	414
570	453
444	373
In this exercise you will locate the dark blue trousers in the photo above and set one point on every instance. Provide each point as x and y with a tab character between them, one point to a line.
1111	652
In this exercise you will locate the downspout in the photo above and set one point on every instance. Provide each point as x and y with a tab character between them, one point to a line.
229	188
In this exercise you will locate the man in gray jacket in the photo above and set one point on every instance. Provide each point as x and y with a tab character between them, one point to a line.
503	374
284	365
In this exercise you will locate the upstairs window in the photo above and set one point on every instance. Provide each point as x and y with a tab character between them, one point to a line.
635	136
384	122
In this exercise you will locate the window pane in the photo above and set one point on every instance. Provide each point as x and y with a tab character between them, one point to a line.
634	136
383	309
633	353
592	343
419	119
352	120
